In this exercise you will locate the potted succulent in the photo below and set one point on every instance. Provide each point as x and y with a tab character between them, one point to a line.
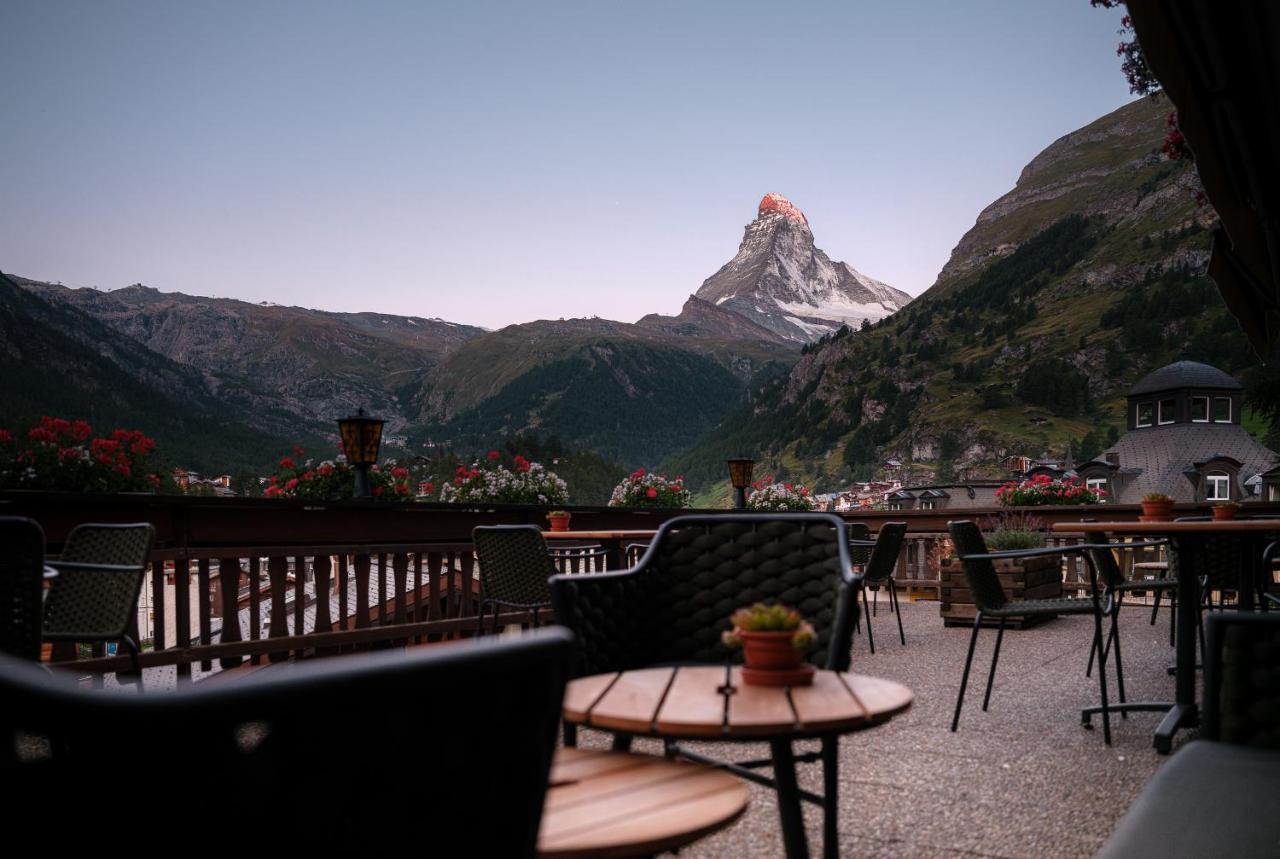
1156	507
559	520
1224	510
774	640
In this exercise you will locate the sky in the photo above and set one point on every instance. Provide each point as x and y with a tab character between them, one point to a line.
493	163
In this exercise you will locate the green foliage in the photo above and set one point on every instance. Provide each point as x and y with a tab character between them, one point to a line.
1019	276
1055	385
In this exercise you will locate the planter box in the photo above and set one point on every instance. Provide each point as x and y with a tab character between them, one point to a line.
1032	578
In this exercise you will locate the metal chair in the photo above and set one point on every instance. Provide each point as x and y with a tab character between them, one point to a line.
21	586
95	597
514	568
991	601
879	571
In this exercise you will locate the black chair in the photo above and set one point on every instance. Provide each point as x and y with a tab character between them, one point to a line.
990	599
21	586
879	571
514	568
1217	796
95	596
673	606
445	750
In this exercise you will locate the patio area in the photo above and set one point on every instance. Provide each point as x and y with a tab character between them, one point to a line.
1021	780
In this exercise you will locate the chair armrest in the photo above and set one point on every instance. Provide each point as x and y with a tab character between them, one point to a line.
861	544
61	566
1073	549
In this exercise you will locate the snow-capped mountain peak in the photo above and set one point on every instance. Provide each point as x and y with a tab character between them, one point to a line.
779	279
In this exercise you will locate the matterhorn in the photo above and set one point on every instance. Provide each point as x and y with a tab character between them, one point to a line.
781	281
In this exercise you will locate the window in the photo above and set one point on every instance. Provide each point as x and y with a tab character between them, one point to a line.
1217	486
1222	410
1168	411
1273	492
1096	484
1200	410
928	505
1145	414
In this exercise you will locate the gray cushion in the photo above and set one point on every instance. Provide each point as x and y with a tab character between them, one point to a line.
1210	799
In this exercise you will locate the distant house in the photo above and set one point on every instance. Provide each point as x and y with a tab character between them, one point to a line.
951	496
1185	440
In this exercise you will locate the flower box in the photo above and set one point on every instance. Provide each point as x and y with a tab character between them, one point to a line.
1027	578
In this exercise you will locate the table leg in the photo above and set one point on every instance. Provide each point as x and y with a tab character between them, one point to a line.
830	794
613	559
784	773
1188	556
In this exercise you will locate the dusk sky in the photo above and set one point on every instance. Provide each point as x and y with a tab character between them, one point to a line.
492	163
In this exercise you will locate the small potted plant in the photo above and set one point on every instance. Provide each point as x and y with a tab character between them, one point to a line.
1224	510
1156	507
774	640
559	520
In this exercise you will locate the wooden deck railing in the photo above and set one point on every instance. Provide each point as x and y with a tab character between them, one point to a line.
238	581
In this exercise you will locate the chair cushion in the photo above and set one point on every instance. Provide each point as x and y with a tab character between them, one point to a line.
1061	605
1211	799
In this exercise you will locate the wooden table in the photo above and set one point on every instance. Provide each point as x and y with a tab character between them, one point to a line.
712	703
619	804
612	541
1187	543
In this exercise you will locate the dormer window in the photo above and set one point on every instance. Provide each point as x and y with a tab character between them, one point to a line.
1096	484
1222	410
1168	411
1200	410
1217	486
1146	414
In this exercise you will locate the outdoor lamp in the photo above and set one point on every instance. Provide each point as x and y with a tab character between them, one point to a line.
361	438
740	477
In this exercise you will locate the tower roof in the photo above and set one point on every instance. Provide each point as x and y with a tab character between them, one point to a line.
1184	374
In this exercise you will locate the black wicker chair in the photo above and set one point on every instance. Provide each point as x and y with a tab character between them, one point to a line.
514	568
990	599
382	754
1217	796
672	607
21	586
95	596
878	572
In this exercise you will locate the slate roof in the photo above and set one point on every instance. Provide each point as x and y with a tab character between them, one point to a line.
1158	456
1184	374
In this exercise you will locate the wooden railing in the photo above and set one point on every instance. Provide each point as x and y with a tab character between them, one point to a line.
240	581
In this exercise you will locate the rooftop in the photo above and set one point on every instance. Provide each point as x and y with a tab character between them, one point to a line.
1184	374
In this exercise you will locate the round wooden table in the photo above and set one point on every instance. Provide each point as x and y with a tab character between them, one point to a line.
618	804
712	703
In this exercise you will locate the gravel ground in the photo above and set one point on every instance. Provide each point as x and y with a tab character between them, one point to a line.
1022	780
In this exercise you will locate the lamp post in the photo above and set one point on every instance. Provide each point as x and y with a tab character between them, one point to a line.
740	477
361	438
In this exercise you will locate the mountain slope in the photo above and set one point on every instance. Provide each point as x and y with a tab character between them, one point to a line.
1067	289
61	361
781	281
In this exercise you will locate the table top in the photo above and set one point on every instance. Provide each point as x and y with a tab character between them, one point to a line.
691	701
1211	527
620	804
600	535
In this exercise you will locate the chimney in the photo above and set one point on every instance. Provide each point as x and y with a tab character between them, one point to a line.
1113	458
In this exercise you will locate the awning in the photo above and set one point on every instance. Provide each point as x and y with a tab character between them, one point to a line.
1219	63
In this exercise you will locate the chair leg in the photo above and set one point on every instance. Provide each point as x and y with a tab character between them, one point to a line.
1155	607
964	678
1115	636
830	795
991	674
622	742
1173	617
570	734
875	602
871	639
132	647
1093	651
1102	673
897	610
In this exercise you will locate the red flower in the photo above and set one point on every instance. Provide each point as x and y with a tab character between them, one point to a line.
123	469
286	462
291	484
307	475
297	450
637	474
42	434
272	492
399	471
494	456
377	491
325	470
80	430
521	463
5	437
652	492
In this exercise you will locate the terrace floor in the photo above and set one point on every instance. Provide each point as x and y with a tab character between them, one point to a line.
1022	780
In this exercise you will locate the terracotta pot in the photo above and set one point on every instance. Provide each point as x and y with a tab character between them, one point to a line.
560	523
769	650
1223	513
1157	511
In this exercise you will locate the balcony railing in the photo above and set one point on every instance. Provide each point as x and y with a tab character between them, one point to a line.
237	582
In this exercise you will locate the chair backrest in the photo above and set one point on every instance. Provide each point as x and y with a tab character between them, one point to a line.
21	586
984	582
859	555
442	749
89	604
1104	561
514	564
1242	679
675	604
884	556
